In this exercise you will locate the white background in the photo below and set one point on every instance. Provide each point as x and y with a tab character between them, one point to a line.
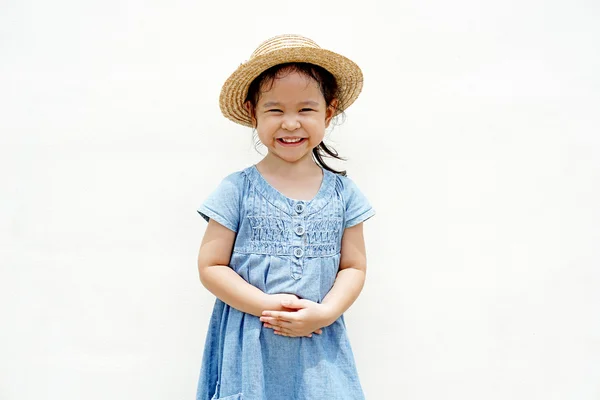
476	139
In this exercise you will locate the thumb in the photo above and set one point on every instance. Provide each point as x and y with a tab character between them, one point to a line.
297	304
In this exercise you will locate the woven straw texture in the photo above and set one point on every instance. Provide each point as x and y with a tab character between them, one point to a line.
283	49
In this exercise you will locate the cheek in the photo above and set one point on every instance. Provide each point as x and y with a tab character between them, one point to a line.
263	134
315	126
266	130
265	124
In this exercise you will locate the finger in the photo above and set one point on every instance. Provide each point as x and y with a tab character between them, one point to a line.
277	326
288	333
319	331
283	325
277	322
273	314
280	315
270	320
295	304
284	332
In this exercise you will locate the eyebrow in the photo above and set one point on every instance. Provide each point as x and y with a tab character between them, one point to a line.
278	104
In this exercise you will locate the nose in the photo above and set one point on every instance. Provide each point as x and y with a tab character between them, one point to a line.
290	123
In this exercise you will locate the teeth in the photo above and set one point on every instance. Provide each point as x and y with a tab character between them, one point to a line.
291	140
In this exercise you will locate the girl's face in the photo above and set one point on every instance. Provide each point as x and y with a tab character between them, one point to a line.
291	117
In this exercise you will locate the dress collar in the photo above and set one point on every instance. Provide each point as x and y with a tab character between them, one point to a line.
290	206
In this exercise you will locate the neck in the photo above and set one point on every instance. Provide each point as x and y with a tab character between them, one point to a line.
274	165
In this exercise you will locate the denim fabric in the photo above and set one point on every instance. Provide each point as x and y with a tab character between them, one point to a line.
282	245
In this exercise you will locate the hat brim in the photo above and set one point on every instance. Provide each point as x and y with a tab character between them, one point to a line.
348	75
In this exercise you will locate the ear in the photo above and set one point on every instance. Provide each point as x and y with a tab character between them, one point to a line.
330	111
250	109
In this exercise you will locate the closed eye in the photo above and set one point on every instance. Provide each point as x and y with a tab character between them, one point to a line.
274	110
307	109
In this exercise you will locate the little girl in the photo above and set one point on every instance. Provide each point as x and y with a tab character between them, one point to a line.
284	251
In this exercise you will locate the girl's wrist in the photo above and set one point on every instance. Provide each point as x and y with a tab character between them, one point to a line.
270	302
330	314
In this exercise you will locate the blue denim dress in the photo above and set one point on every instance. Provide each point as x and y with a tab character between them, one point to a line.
282	245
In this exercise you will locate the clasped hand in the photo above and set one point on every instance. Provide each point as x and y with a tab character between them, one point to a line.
301	318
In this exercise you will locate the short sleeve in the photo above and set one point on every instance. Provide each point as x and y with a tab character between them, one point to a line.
223	204
358	208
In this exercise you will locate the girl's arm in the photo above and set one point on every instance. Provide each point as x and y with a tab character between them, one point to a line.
351	275
224	282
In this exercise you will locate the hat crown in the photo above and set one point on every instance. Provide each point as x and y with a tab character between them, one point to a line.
283	42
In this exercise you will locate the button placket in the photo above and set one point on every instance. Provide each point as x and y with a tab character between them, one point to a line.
297	263
298	242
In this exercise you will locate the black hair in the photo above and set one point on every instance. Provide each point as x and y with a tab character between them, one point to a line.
328	86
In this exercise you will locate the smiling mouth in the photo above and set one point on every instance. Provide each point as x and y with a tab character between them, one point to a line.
291	141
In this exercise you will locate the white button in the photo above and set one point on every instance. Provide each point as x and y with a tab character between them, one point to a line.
299	230
299	207
298	252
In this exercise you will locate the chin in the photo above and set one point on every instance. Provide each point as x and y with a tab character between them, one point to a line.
293	158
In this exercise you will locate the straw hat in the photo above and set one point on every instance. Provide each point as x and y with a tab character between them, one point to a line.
283	49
